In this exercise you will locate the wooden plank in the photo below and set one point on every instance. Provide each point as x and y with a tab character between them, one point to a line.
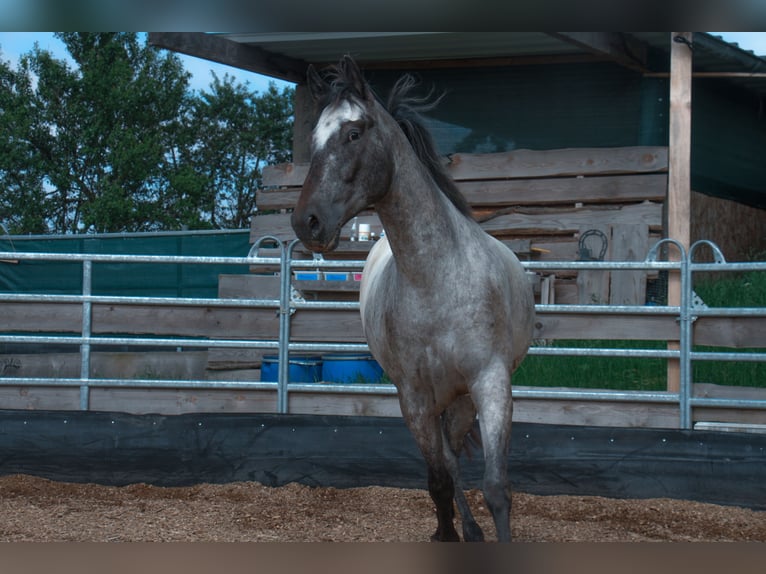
733	332
41	317
249	286
560	162
285	174
322	325
593	284
313	325
546	224
521	163
630	242
348	405
546	191
568	221
566	190
243	287
108	364
272	224
40	398
280	198
180	401
185	321
629	327
590	413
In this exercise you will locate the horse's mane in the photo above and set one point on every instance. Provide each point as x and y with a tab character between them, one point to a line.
407	110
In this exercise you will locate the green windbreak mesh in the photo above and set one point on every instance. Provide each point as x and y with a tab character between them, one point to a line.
125	279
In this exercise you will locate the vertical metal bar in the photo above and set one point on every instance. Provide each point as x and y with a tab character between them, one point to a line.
284	327
685	343
684	327
687	332
87	319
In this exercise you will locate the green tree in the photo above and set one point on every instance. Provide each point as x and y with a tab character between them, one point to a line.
22	199
101	128
118	142
239	132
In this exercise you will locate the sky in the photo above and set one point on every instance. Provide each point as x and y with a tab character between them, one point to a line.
14	44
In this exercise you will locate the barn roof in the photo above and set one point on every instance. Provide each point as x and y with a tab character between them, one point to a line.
728	167
286	55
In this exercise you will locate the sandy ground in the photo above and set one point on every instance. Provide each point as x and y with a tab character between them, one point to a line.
35	509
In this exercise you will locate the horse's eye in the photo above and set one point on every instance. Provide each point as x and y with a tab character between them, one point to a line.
353	135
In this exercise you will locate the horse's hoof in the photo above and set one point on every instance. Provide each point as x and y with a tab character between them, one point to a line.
449	537
473	533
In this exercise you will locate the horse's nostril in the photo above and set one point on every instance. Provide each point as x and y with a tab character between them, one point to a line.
313	225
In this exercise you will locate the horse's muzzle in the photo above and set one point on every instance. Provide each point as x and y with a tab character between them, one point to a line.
316	236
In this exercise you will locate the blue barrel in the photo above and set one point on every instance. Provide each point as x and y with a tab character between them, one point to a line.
302	368
351	368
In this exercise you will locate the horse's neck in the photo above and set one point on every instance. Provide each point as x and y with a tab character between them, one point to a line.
420	221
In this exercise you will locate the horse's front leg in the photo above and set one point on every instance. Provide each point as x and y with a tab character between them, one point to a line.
492	396
425	426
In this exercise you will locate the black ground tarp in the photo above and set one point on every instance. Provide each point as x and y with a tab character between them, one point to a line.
118	449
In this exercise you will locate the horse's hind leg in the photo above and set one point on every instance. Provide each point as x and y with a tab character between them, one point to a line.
457	421
492	396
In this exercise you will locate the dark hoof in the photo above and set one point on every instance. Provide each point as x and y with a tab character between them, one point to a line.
473	533
448	537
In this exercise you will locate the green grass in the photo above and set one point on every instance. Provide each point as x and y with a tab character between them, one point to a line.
743	290
616	373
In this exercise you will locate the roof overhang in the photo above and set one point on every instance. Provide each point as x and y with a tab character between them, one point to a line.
286	55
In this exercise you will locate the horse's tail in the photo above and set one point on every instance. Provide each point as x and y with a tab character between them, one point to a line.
472	441
461	427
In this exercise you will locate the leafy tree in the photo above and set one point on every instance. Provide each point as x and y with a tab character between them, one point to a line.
239	132
99	129
22	199
119	142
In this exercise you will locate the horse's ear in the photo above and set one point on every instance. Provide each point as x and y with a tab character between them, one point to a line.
355	77
318	87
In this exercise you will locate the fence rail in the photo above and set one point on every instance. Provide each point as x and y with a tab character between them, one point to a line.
683	315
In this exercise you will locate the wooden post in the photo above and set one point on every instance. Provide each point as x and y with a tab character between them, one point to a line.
679	167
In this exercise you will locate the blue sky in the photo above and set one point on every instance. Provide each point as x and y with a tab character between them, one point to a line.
13	44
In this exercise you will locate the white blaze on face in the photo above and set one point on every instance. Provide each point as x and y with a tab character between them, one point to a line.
331	120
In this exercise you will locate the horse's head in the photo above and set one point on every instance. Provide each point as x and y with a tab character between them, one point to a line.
350	162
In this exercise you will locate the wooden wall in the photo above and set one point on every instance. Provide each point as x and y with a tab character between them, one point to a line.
738	229
537	202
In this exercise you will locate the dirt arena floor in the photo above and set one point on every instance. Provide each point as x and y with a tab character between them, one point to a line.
35	509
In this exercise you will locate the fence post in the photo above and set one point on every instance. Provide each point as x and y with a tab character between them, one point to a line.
685	344
284	327
684	327
87	318
687	333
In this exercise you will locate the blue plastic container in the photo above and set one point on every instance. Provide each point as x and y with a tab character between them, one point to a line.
351	368
302	368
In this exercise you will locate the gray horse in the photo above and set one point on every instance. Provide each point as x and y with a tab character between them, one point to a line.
446	308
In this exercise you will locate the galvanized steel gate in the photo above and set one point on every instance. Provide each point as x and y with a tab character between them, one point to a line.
685	313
